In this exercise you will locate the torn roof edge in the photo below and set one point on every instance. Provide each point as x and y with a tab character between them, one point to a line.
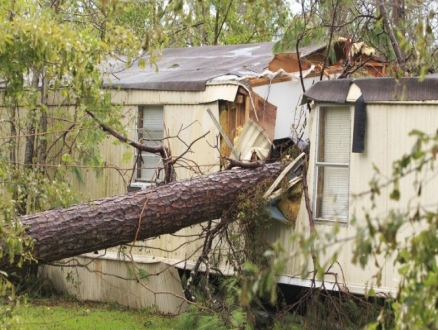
374	90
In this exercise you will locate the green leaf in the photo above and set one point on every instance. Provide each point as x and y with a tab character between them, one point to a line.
142	63
395	195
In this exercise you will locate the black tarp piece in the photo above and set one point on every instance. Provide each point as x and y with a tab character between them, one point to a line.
360	121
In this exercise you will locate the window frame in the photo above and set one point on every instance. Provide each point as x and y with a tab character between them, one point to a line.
324	164
137	179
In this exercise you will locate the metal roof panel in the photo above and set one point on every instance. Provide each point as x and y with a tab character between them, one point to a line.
406	89
331	91
376	90
188	69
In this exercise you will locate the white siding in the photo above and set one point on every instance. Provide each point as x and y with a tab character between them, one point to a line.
188	122
386	139
101	280
212	93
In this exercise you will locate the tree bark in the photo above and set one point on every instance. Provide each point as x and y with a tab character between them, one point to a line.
112	221
42	141
29	150
395	45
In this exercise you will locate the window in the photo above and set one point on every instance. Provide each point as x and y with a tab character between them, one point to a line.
332	165
150	131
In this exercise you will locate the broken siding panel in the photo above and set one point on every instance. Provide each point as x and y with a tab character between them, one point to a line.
252	135
264	114
212	93
288	62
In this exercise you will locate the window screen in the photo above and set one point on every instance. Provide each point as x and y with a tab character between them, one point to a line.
332	170
151	133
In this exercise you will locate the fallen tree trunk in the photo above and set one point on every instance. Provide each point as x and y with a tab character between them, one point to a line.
112	221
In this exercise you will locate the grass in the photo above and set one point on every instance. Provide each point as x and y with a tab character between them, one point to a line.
66	313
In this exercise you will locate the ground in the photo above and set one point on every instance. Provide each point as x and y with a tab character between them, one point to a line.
68	313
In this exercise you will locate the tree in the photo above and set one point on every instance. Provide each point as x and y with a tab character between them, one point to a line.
44	54
214	22
62	233
402	32
47	49
182	23
54	49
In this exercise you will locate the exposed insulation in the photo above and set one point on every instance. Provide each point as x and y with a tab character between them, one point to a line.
290	202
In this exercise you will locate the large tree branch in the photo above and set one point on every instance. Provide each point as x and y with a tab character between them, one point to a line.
108	222
395	46
121	138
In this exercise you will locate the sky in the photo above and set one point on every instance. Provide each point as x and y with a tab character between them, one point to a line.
294	6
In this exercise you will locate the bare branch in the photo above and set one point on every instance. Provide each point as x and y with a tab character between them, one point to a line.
394	42
189	148
238	163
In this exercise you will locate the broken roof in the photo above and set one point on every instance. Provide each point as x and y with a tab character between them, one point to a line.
189	69
375	90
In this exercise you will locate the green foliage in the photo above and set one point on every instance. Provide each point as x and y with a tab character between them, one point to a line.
262	282
50	73
193	318
224	312
300	32
334	310
9	318
68	313
183	23
254	222
414	24
216	22
409	238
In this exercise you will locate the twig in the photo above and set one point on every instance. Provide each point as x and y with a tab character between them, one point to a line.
188	148
310	215
161	150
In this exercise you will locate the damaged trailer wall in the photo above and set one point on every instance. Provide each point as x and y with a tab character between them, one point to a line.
291	116
386	140
184	123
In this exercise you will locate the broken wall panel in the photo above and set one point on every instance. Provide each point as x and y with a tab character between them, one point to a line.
232	117
264	115
288	62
